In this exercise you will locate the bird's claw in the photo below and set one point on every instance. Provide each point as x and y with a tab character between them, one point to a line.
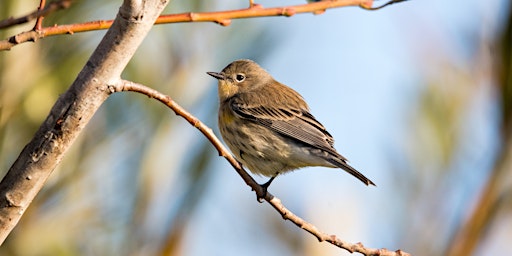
262	193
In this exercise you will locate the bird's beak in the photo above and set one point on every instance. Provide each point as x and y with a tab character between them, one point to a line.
219	76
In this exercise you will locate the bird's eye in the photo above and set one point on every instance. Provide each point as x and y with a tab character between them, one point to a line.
240	77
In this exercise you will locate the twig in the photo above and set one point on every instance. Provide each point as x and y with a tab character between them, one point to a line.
369	8
51	7
223	18
124	85
39	21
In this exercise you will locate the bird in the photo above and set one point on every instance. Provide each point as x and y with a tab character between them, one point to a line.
268	125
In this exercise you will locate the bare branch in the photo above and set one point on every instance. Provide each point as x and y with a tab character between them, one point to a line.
223	18
51	7
73	110
369	8
124	85
39	21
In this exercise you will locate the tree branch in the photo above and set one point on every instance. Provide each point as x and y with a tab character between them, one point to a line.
223	18
39	21
124	85
384	5
74	109
41	11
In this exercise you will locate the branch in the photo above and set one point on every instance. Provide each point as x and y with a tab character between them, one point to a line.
51	7
223	18
124	85
384	5
74	109
39	21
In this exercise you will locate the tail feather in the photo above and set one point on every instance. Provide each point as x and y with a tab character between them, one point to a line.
341	163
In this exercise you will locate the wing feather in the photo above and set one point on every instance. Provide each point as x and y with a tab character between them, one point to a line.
293	122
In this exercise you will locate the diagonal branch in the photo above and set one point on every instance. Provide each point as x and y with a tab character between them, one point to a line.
223	18
124	85
74	109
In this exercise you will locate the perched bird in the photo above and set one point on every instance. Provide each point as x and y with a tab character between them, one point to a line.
268	126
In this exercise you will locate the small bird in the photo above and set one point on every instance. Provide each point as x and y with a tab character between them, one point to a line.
268	126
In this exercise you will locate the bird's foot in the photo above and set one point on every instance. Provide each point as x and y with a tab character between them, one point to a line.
262	193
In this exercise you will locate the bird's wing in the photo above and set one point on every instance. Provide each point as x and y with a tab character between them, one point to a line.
294	123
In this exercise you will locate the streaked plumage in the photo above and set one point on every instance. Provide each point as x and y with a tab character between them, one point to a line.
268	126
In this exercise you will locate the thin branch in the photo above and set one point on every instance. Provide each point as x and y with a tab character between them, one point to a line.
51	7
39	21
124	85
223	18
369	8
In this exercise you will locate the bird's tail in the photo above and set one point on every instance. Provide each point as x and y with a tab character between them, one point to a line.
345	166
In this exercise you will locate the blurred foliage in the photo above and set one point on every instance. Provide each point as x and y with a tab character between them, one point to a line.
504	75
493	205
431	146
446	211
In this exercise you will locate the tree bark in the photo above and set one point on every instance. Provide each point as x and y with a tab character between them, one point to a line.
74	109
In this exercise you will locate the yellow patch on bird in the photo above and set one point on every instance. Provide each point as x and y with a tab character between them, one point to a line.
227	116
226	90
